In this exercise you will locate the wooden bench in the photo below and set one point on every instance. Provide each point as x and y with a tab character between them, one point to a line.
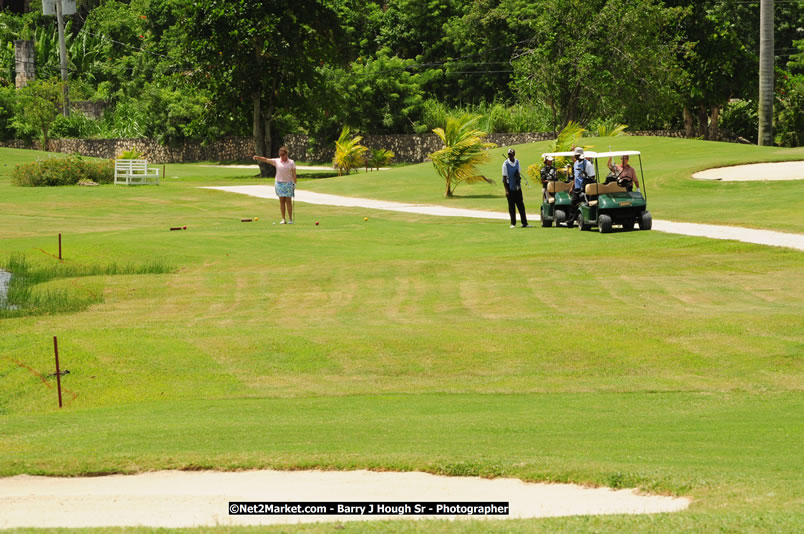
135	172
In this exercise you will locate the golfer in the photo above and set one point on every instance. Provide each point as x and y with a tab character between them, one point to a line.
512	181
624	173
285	183
584	174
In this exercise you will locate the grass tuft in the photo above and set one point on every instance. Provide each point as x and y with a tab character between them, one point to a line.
22	299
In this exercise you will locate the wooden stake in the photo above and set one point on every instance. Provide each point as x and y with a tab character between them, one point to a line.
58	371
59	246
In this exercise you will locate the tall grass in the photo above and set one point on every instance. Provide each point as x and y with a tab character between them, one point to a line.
22	299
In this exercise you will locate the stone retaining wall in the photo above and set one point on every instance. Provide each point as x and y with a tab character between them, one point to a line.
410	148
227	149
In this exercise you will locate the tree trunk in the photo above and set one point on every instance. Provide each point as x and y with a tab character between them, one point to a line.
703	122
262	137
689	128
766	57
448	192
714	118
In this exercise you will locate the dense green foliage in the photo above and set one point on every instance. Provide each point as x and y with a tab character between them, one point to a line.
171	70
68	170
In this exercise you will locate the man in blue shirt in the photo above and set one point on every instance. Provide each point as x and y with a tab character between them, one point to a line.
512	181
584	173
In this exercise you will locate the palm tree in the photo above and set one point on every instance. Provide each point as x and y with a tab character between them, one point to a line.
378	157
348	152
766	72
611	129
464	149
568	138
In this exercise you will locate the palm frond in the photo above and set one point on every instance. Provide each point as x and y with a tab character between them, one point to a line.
464	149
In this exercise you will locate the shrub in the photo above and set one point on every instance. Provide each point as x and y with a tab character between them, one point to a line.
131	153
62	171
378	157
77	125
7	103
496	117
740	118
789	118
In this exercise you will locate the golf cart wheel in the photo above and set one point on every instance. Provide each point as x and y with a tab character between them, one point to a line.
560	217
604	224
628	226
645	220
546	223
579	221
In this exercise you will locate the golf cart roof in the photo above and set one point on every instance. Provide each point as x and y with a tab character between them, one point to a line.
587	154
615	153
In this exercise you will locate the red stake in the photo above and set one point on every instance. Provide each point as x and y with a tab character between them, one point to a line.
58	372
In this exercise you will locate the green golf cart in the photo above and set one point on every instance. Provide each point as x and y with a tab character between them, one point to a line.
613	203
556	190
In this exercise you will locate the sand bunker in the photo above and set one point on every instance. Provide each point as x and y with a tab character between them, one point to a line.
786	170
173	499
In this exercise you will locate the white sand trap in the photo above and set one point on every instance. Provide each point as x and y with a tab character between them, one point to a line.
786	170
173	499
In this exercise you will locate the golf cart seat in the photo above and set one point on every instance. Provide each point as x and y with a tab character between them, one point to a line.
554	187
593	190
557	187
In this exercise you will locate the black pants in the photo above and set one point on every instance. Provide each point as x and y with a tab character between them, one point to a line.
515	202
575	199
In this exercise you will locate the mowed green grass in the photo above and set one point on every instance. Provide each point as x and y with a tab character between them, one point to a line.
407	342
668	166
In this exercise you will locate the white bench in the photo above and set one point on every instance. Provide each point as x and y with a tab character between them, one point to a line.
135	172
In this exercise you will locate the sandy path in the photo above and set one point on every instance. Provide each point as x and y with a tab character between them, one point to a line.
746	235
174	499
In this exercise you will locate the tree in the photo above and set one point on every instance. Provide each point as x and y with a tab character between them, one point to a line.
483	39
766	56
376	95
713	65
591	58
262	54
39	104
348	152
464	149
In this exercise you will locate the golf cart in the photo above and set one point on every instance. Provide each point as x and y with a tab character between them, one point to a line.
607	204
556	192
